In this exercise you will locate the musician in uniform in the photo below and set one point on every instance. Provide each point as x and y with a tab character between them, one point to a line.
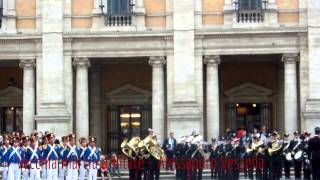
14	157
91	157
314	154
4	150
25	168
220	156
33	155
306	162
71	155
286	163
82	148
63	163
43	162
274	151
212	158
180	156
295	146
51	153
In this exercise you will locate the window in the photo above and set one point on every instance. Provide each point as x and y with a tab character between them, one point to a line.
119	7
250	5
118	13
250	11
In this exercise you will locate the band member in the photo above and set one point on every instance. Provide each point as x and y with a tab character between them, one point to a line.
296	145
33	155
306	161
43	162
314	154
82	148
276	158
92	156
286	163
25	168
220	156
180	155
72	156
63	163
14	157
51	153
4	150
196	154
212	158
168	146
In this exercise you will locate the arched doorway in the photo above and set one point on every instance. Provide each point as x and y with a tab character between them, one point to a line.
249	105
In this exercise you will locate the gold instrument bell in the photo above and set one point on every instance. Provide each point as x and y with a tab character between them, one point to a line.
150	144
275	147
130	148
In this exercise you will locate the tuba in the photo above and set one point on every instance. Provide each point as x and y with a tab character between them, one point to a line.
152	147
130	148
275	147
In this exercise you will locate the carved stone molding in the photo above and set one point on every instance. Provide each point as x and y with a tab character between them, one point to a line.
27	63
81	62
290	58
212	60
157	61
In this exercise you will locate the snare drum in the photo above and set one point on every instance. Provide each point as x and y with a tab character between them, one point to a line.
298	156
289	157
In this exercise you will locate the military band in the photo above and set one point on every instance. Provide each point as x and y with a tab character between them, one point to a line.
256	155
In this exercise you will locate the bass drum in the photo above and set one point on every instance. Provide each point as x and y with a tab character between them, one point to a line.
289	157
298	156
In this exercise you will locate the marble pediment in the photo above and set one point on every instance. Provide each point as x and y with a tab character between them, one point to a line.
248	89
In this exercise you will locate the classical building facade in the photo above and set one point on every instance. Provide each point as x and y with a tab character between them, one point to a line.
114	68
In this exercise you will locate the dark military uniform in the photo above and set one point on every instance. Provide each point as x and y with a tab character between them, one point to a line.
275	153
295	145
285	150
314	154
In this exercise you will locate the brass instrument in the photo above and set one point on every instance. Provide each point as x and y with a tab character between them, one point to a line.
152	147
130	148
275	147
254	147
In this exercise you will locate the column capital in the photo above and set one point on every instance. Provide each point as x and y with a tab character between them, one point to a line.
290	58
27	63
81	62
212	60
157	61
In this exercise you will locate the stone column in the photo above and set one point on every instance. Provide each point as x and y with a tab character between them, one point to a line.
28	66
96	103
213	116
290	92
158	120
82	97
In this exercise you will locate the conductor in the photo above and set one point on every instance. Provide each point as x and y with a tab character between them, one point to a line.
314	151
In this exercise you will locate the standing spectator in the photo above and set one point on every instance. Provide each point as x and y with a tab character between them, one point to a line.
314	152
169	145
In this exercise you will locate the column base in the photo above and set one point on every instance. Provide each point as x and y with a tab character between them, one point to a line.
54	117
312	114
59	125
183	119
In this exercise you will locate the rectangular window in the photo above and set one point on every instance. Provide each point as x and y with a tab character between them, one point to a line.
247	5
119	7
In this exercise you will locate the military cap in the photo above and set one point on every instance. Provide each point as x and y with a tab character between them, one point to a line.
81	140
50	136
92	139
71	136
25	138
296	133
286	135
64	138
275	133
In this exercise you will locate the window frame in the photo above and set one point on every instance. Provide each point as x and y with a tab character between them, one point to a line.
111	11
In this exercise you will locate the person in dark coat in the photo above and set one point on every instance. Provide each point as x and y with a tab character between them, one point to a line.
314	154
168	146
